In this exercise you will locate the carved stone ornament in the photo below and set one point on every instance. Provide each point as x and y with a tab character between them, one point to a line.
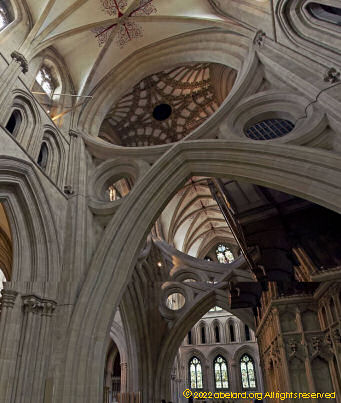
259	38
332	75
292	343
337	336
21	59
36	305
316	343
68	190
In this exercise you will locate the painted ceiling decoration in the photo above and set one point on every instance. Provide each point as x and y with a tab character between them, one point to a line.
165	107
125	29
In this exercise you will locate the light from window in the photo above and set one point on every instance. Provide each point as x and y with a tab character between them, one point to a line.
220	373
216	309
2	279
195	373
224	255
117	190
247	370
45	80
4	20
269	129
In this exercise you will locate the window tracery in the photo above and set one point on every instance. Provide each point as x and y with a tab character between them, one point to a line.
247	370
224	254
195	374
269	129
221	373
45	80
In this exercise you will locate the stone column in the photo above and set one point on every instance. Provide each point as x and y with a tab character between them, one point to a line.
124	370
9	338
33	350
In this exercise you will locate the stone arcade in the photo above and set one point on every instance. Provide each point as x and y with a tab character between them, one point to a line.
170	198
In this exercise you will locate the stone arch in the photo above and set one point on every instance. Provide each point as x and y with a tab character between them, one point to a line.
229	47
35	245
245	349
56	162
303	173
28	131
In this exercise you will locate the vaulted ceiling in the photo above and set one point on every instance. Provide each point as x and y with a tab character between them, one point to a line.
93	36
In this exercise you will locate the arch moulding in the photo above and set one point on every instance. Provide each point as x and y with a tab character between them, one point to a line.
308	173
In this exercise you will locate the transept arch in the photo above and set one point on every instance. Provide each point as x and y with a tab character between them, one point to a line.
302	173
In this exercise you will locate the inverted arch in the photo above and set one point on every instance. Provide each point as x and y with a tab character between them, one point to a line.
308	173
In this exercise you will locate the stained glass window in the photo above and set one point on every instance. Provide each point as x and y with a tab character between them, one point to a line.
269	129
247	370
221	373
224	255
45	80
195	373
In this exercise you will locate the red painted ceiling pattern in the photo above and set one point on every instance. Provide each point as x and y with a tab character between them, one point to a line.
125	30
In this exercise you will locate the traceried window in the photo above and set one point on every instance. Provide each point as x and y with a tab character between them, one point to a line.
269	129
45	80
195	373
4	16
224	255
220	373
247	370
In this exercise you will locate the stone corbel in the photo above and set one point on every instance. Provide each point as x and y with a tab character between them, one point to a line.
332	75
20	59
259	38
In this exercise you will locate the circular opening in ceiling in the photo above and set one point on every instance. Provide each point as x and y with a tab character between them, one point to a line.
162	112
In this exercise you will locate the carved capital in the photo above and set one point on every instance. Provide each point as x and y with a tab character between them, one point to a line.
259	38
332	75
316	343
32	304
48	307
20	59
8	298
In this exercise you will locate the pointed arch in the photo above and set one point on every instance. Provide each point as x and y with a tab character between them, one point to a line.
309	173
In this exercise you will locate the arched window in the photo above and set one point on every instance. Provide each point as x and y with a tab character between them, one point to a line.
325	12
203	334
189	337
220	373
45	80
2	279
247	370
269	129
217	333
195	373
224	255
247	333
14	122
232	334
43	156
5	17
333	310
